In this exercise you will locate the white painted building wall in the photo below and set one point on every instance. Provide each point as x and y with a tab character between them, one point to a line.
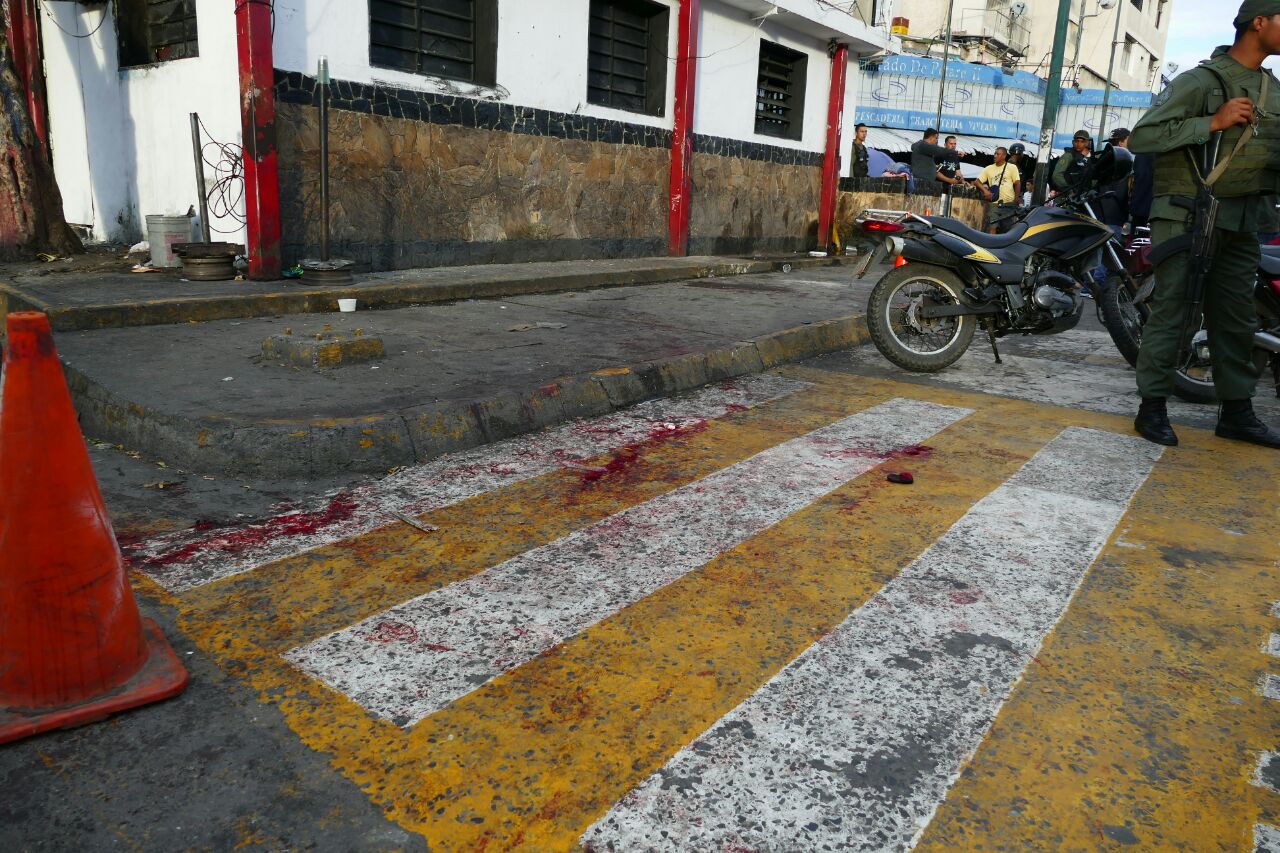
121	138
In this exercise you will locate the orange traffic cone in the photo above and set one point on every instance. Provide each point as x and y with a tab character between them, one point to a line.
899	262
73	648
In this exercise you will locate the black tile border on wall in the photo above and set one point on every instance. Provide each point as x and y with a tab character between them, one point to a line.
293	87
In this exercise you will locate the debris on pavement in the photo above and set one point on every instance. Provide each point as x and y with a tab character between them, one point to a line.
413	522
525	327
902	477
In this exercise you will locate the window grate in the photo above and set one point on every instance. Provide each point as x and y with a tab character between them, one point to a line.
780	91
156	31
626	55
455	39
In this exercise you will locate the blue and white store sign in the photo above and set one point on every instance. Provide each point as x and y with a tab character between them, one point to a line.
981	100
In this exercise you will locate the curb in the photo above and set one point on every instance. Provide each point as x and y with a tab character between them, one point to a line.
376	443
301	299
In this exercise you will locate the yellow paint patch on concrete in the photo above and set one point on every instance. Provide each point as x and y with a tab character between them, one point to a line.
1140	722
612	371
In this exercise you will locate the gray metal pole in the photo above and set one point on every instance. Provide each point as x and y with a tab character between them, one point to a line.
323	80
946	57
1075	62
197	147
1052	96
1111	66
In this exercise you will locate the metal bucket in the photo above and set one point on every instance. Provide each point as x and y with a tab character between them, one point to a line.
163	232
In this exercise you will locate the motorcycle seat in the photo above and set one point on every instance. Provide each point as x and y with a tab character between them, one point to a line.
979	238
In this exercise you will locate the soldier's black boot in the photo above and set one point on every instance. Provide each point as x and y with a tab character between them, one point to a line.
1237	421
1152	422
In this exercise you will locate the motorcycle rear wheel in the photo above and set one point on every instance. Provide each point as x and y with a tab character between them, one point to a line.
1123	320
902	336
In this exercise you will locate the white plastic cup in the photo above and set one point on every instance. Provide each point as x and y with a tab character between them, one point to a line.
346	306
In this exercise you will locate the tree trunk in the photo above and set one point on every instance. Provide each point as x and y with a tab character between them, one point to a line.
31	218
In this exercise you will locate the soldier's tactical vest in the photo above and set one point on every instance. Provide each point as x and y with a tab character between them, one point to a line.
1256	168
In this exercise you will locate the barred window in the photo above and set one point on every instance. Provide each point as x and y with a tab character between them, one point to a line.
456	39
156	31
780	91
627	55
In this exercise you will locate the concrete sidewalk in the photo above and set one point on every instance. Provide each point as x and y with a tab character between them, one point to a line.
205	397
119	299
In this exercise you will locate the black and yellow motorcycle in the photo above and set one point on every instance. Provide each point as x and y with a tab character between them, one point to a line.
923	314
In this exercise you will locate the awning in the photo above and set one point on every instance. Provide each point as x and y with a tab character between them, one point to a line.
897	139
989	144
892	138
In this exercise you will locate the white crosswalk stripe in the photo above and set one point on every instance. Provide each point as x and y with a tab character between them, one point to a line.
854	744
190	558
413	659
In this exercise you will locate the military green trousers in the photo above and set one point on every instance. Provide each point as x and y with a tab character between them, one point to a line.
1230	315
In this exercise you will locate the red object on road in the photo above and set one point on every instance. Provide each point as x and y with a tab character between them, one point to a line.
831	159
73	647
681	187
899	262
903	477
258	129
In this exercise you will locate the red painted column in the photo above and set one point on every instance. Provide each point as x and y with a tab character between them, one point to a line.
24	42
831	160
682	134
258	128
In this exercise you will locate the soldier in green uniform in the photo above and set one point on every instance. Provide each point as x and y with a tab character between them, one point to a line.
1190	109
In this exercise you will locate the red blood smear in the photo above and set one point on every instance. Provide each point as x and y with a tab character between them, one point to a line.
339	509
392	632
734	408
965	596
626	457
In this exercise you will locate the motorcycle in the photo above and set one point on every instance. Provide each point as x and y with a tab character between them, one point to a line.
923	315
1193	379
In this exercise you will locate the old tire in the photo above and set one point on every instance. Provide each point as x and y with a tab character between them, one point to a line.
907	340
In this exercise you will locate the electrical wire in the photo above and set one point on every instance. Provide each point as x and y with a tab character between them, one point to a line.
66	31
226	196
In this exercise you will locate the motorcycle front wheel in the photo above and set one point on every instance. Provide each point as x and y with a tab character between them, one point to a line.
904	337
1193	376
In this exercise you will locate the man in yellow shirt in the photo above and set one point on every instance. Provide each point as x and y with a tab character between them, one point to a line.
1004	178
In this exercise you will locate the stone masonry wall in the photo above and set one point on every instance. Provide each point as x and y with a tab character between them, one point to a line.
411	193
753	206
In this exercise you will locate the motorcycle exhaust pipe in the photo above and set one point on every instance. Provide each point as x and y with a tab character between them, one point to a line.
1266	341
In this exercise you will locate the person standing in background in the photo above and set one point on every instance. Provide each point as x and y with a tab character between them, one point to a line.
949	170
998	184
925	154
860	156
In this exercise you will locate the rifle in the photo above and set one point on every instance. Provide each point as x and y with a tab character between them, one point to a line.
1203	241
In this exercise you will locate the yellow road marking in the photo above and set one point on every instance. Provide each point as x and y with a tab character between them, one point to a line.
300	598
1140	722
532	758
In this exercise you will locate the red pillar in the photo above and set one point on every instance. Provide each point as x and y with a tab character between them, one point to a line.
831	160
258	128
682	133
24	42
